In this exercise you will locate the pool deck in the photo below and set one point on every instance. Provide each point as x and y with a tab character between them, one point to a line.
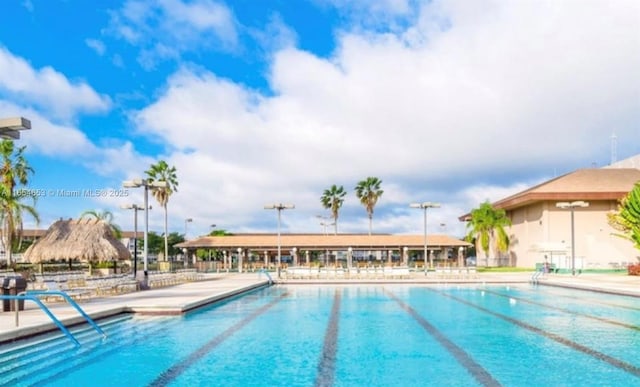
181	298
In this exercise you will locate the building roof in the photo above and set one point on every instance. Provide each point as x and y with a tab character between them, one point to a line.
631	162
321	242
591	184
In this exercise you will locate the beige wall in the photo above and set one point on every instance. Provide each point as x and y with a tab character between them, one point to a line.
543	229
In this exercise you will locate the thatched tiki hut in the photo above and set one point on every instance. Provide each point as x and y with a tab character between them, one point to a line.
87	240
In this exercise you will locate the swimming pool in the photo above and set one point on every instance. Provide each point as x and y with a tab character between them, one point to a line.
354	335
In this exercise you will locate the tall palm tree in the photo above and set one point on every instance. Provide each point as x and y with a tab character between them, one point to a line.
11	219
332	199
105	216
14	172
161	171
368	192
487	228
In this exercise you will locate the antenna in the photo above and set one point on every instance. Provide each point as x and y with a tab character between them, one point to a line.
614	148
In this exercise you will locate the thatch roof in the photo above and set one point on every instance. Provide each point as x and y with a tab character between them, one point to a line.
83	239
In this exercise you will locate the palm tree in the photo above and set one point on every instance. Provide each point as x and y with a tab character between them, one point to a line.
161	171
11	219
332	199
368	192
14	172
105	216
626	220
487	227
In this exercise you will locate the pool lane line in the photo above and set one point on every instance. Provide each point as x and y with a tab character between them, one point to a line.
327	364
630	368
592	300
589	316
177	369
480	374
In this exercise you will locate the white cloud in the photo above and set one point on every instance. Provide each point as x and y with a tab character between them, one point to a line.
48	138
47	89
96	45
499	89
165	29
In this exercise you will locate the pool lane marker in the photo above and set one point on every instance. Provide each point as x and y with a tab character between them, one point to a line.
475	369
327	364
177	369
564	310
591	300
630	368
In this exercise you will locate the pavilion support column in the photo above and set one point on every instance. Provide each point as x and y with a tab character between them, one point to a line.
306	257
240	253
266	260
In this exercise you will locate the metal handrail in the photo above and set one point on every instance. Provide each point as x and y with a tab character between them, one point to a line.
266	273
72	303
535	277
42	306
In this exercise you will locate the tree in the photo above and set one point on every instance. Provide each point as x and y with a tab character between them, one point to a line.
175	238
11	219
487	228
368	192
219	232
155	243
162	172
626	220
105	216
332	199
14	172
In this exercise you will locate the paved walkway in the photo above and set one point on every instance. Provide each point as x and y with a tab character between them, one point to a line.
181	298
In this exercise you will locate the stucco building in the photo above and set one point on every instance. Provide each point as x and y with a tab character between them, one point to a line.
541	230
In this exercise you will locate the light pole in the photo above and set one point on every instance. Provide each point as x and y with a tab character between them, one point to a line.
186	251
137	183
425	206
10	127
571	206
279	207
211	234
324	223
135	209
186	222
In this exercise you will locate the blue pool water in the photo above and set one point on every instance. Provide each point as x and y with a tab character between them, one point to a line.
351	335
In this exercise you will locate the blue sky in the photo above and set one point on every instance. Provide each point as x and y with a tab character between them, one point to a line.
267	101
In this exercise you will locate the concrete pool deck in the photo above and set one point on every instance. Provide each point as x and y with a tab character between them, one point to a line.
178	299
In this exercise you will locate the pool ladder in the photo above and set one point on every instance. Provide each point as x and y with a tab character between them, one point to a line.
535	277
33	295
266	273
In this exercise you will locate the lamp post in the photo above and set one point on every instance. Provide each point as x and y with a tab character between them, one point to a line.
279	207
137	183
186	222
186	251
571	206
425	206
135	209
10	127
324	223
